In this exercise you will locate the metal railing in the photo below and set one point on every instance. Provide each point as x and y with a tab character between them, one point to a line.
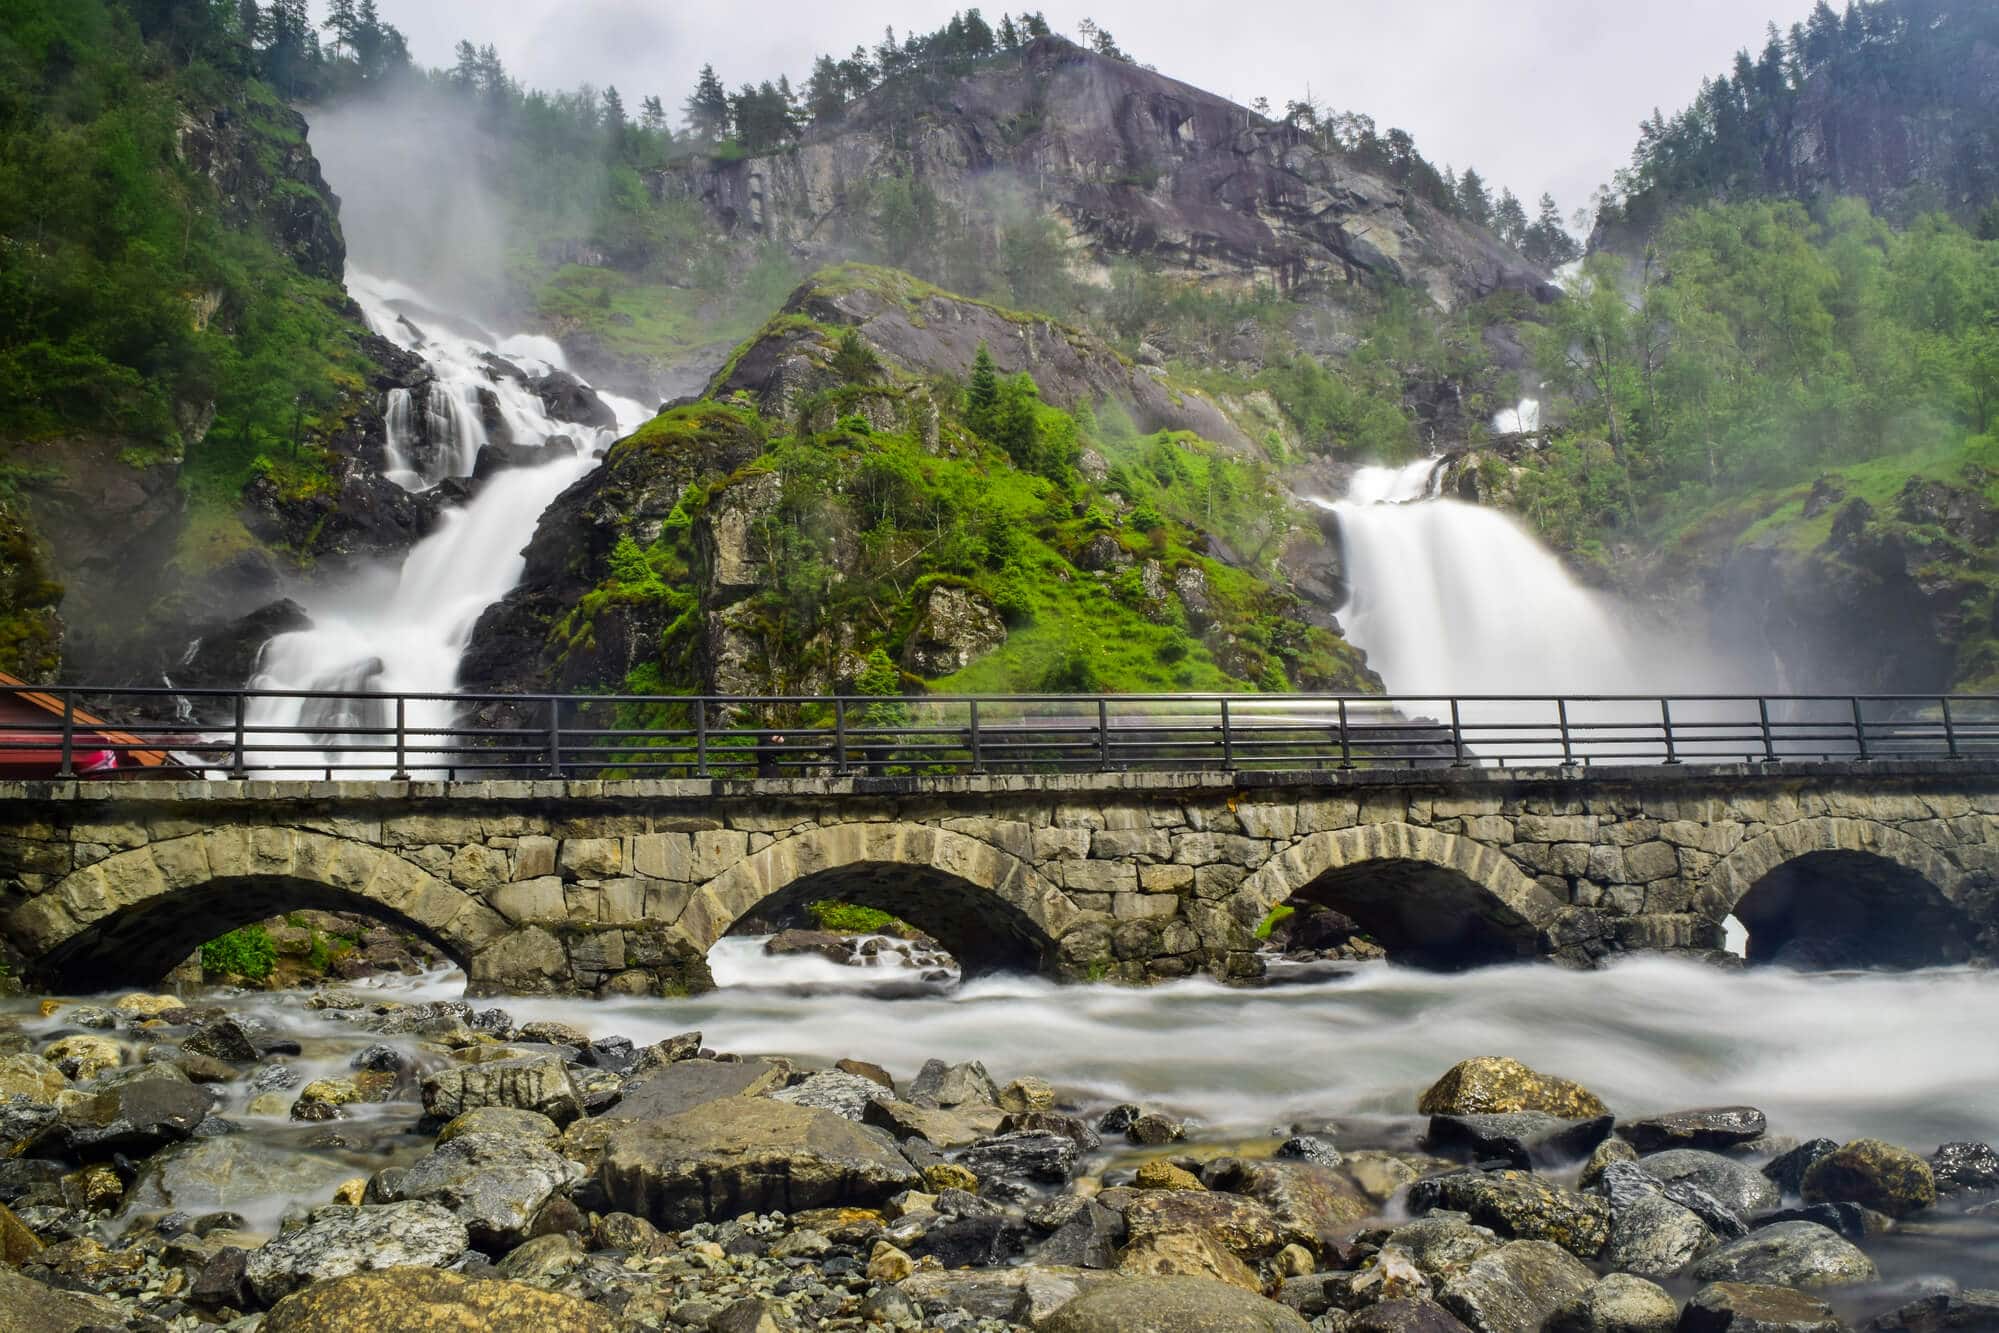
85	732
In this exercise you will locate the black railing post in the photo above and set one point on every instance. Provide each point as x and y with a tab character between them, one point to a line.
1769	740
978	755
700	738
1103	734
555	738
1562	721
840	736
1949	729
1666	727
238	766
1228	739
1457	737
67	768
1859	729
1346	738
402	773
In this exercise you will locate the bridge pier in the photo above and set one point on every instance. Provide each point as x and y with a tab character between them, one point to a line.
622	887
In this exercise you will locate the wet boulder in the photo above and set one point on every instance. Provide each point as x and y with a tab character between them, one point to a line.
1320	1205
84	1056
1173	1304
1521	1206
1013	1295
1737	1186
493	1183
1442	1243
1960	1167
1874	1175
686	1084
1710	1128
421	1298
747	1154
1405	1316
941	1085
844	1094
132	1118
1943	1312
1219	1236
506	1120
1007	1164
338	1240
31	1077
1619	1303
537	1083
1494	1084
26	1306
1787	1171
1625	1183
1789	1254
1748	1307
1515	1288
236	1172
1522	1139
1848	1219
1088	1239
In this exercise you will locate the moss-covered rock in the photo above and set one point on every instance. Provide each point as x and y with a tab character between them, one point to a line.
1875	1175
1490	1084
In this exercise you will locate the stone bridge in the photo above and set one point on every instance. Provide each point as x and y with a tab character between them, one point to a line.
622	887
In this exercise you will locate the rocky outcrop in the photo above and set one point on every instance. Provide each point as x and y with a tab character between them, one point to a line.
954	627
255	154
1133	164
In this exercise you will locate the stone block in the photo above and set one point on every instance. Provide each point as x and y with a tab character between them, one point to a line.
1143	906
1650	861
1268	821
1061	844
533	901
1606	865
1556	828
1100	876
591	858
717	850
666	901
120	836
621	902
1218	881
534	857
1135	844
1469	806
1383	808
1178	938
478	867
1494	830
664	856
1078	817
1197	849
1165	879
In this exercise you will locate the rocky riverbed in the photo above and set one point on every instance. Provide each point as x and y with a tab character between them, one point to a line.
378	1156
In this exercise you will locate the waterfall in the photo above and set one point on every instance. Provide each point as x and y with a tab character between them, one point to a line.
404	630
1453	598
1523	418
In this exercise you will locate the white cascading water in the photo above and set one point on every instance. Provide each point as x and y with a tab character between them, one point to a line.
1523	418
404	631
1449	598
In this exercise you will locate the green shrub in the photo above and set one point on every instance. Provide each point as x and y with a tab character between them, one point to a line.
854	919
1279	913
247	952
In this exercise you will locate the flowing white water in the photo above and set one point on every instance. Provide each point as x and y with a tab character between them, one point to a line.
404	630
1453	598
1523	418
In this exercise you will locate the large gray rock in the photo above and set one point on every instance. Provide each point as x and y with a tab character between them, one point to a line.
1743	1307
846	1095
747	1154
1958	1167
418	1299
1405	1315
1514	1288
1789	1254
1522	1139
1029	1157
1654	1237
1874	1175
1625	1183
338	1240
1026	1295
686	1084
235	1173
1442	1243
1788	1169
132	1117
1737	1185
1958	1312
1519	1205
1619	1303
1709	1128
939	1084
1172	1305
493	1183
532	1083
1320	1204
954	628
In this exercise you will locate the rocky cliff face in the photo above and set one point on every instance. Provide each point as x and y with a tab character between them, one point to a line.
1133	164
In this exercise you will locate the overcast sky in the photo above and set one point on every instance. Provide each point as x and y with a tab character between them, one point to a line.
1538	94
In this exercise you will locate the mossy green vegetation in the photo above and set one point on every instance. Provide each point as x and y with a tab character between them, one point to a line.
854	919
247	952
130	302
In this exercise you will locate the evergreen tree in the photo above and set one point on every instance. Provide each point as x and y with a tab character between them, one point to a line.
1474	204
1509	219
465	72
707	109
1008	36
652	115
249	21
342	20
825	91
1034	25
982	392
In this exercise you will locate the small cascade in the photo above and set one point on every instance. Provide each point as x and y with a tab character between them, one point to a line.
1523	418
404	631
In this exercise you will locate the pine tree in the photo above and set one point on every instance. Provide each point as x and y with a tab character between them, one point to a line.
825	91
1509	219
982	392
652	115
342	21
707	109
249	20
1009	36
465	73
1473	201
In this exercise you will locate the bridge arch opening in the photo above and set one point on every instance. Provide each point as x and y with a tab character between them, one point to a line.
990	910
1420	914
141	944
1839	909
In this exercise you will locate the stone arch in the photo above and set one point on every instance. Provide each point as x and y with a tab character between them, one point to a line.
1431	897
129	918
1837	892
989	907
